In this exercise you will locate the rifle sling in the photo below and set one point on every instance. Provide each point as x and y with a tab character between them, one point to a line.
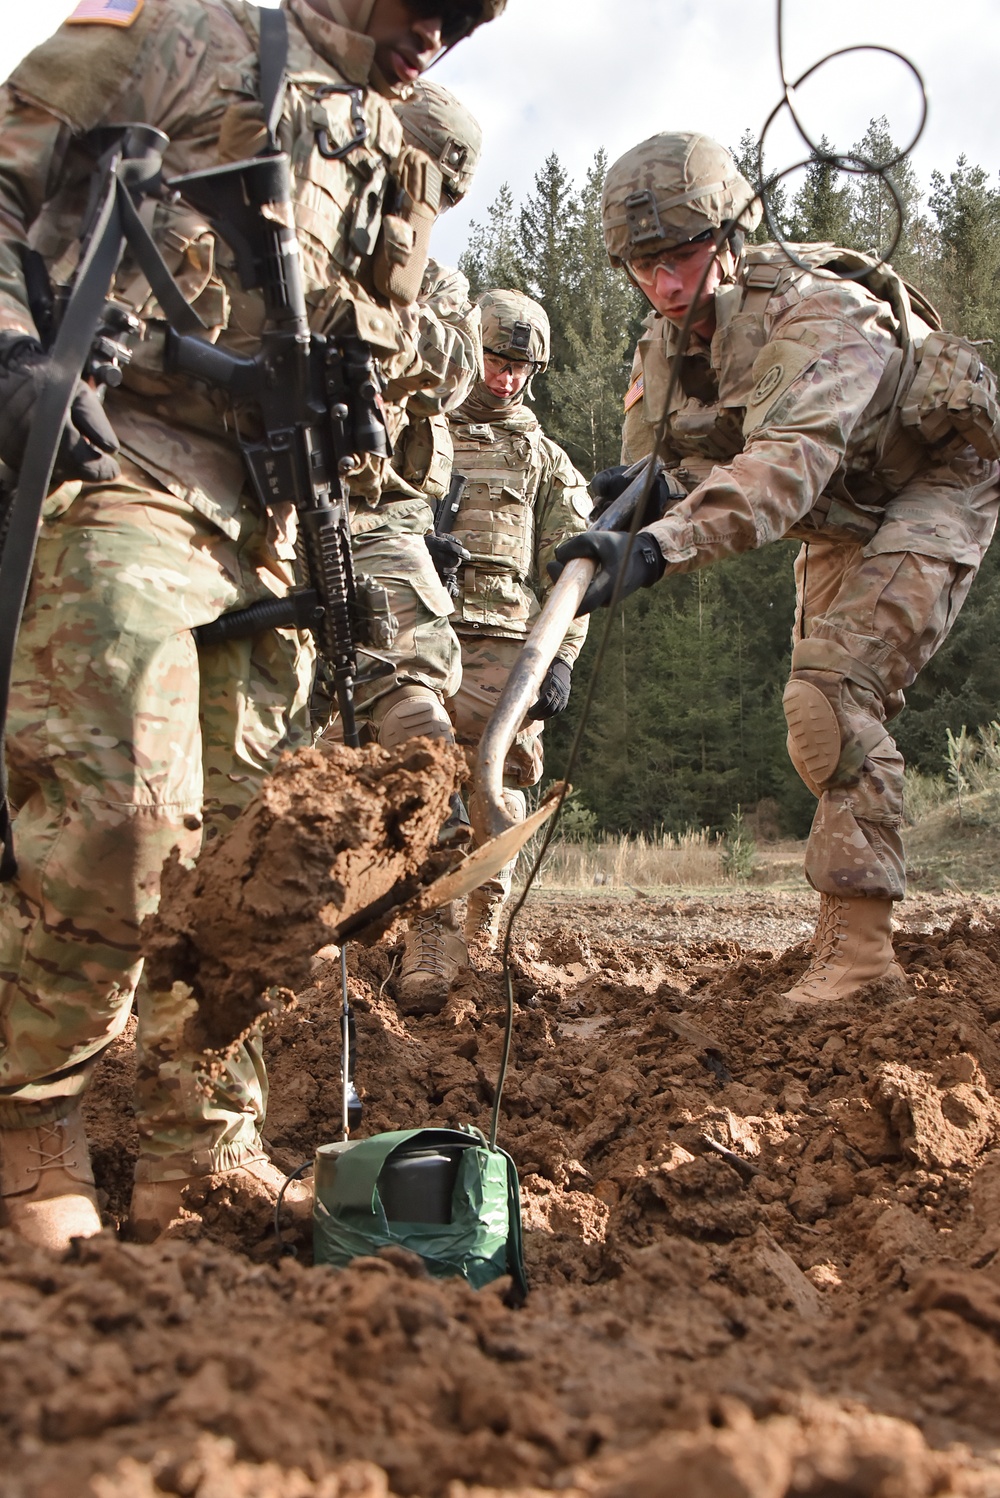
273	62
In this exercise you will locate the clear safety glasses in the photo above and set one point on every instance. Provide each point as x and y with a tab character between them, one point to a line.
643	268
504	364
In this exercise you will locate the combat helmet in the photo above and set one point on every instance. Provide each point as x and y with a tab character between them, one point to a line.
515	325
671	189
437	122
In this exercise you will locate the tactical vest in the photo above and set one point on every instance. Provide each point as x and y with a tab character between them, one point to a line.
496	520
935	390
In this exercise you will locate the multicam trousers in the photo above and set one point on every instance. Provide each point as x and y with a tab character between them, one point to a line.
871	617
126	741
487	662
389	545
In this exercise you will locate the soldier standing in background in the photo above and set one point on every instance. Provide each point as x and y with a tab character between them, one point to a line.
815	401
390	531
126	739
522	497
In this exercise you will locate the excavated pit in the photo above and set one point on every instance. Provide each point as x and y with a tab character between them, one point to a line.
764	1253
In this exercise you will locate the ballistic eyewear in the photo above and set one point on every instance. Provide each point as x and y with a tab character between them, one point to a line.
457	17
505	363
643	268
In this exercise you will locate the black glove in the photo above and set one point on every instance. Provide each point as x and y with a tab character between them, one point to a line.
606	486
88	439
447	554
641	564
553	694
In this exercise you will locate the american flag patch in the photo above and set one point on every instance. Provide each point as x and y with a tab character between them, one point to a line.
105	13
635	391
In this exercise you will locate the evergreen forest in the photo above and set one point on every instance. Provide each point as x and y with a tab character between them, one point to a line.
686	724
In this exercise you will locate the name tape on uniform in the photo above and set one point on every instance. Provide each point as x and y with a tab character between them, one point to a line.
105	13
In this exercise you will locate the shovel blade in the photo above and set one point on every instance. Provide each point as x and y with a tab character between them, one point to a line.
488	859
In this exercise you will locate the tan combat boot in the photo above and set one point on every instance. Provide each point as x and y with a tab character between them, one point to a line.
46	1183
482	920
434	953
852	946
251	1189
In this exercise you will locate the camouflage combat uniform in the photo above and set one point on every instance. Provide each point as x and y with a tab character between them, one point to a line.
125	739
389	531
781	428
522	498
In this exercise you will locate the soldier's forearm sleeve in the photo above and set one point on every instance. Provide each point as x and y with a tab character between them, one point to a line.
32	143
826	373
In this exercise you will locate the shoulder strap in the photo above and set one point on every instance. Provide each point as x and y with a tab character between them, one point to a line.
273	63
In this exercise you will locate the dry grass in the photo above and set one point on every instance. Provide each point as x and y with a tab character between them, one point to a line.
693	859
952	838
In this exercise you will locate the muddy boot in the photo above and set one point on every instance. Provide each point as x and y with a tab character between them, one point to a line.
482	920
46	1183
251	1188
852	946
434	953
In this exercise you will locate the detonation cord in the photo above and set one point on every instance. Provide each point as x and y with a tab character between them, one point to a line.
287	1249
851	163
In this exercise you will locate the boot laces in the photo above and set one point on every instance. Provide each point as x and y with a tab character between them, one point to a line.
428	946
49	1157
830	933
484	910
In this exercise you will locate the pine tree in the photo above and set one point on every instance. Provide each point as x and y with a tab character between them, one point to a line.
821	209
747	158
601	317
493	256
547	223
966	210
875	215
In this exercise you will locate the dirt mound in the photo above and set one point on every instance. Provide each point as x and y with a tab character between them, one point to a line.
333	833
764	1252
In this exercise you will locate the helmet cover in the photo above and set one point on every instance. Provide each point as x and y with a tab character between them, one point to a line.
670	189
433	119
515	325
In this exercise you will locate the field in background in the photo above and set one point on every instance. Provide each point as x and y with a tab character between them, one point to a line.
952	837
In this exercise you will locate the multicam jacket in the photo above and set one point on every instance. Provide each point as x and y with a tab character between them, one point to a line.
792	421
522	498
191	69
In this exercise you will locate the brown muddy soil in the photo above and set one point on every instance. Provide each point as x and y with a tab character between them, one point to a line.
764	1252
333	833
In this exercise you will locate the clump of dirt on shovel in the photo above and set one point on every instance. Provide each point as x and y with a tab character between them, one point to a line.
334	842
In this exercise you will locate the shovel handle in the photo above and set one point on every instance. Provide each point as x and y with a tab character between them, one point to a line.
486	807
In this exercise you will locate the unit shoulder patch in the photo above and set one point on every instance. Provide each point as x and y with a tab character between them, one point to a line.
105	13
635	392
775	371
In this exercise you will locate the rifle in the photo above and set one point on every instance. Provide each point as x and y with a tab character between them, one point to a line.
318	401
445	515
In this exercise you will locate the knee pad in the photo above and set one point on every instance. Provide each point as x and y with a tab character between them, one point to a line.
411	713
515	803
832	708
815	740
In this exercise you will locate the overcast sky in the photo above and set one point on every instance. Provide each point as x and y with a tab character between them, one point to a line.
573	75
